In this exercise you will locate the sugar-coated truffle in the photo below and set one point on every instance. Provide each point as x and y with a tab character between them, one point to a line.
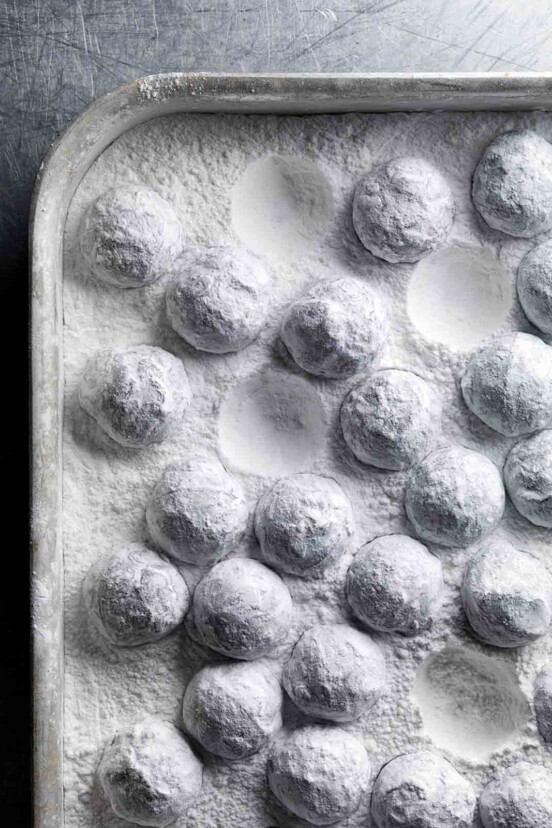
512	184
338	328
454	496
391	419
232	710
136	395
335	672
508	384
507	595
403	209
134	596
319	773
542	702
149	774
197	512
528	478
534	286
303	524
130	236
394	585
241	609
518	797
422	790
218	301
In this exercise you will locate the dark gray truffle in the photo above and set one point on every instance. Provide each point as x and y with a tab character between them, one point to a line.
149	774
422	790
508	384
319	773
534	286
338	328
129	237
335	672
219	300
518	797
136	395
542	701
507	595
528	478
394	584
402	210
303	524
135	596
454	496
512	184
391	419
197	512
232	710
241	609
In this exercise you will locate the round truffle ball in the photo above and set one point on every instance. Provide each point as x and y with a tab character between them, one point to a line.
303	524
423	790
391	419
136	395
402	210
508	384
512	184
528	478
197	513
335	672
219	302
232	710
319	773
394	584
134	596
338	328
542	702
534	286
241	609
454	496
129	237
519	797
149	774
507	595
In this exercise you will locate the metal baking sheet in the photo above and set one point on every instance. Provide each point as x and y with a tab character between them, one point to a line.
61	172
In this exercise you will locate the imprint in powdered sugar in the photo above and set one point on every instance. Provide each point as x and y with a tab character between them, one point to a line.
269	385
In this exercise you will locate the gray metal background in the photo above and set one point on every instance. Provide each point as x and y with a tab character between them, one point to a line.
56	56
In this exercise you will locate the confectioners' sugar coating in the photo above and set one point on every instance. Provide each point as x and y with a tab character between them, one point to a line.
303	524
197	512
542	702
149	774
403	209
534	286
519	797
135	596
232	710
394	584
335	672
319	773
528	478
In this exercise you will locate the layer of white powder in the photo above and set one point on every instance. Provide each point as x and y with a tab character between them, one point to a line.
195	162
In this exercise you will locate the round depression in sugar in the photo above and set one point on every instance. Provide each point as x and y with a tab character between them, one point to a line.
508	384
507	595
149	774
335	672
135	596
518	797
319	773
391	419
403	209
338	328
136	395
130	237
303	524
394	585
534	286
528	478
512	184
197	512
233	710
241	609
218	302
454	496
